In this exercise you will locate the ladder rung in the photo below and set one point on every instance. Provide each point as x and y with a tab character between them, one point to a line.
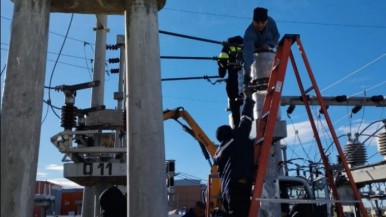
276	65
265	115
308	89
260	140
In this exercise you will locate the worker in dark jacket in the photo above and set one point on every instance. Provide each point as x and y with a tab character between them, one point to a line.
230	60
234	158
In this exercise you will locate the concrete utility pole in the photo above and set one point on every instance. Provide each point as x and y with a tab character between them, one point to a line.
22	106
146	190
91	194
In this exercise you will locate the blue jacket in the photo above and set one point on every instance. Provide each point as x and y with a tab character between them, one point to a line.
254	39
235	156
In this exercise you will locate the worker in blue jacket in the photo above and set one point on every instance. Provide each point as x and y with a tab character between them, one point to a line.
261	35
234	158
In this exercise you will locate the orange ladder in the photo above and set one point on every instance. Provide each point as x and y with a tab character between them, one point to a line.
265	128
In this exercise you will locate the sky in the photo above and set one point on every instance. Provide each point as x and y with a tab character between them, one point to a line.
343	40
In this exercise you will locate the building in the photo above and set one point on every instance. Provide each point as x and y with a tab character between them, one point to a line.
186	193
71	203
47	198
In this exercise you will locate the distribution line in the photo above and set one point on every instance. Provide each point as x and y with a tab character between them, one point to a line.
354	72
368	89
279	21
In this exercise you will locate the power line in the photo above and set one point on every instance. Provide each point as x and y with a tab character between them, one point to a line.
69	64
354	72
54	67
50	52
279	21
368	89
190	37
54	33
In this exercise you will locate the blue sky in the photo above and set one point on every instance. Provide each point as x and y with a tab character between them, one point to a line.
344	42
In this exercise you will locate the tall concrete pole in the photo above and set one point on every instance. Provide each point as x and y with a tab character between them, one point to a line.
22	106
121	83
90	206
146	187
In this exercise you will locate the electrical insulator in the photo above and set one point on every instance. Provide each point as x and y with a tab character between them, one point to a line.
112	47
114	60
356	109
355	153
342	98
338	160
170	168
170	182
114	71
381	140
378	98
124	121
290	109
321	111
68	117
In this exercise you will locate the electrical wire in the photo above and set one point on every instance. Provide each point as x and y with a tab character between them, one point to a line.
297	136
353	73
362	118
193	99
368	89
279	21
188	176
54	33
2	70
191	37
54	67
292	149
64	63
85	55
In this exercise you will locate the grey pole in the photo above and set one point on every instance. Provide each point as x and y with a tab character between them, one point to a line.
146	187
91	194
22	106
121	82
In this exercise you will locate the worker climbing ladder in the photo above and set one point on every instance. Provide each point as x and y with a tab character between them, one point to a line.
265	127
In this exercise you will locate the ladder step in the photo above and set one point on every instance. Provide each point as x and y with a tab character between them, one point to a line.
276	65
265	115
308	89
260	140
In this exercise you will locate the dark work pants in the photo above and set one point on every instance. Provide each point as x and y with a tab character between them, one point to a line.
232	88
236	200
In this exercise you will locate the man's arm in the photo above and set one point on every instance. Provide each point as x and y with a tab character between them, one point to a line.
275	33
247	117
248	49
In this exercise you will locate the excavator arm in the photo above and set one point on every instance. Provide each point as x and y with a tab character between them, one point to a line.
194	130
213	196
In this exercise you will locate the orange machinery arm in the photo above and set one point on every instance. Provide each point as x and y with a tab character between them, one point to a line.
195	130
213	196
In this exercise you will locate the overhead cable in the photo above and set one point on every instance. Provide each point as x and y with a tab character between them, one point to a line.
354	72
190	37
368	89
189	78
279	21
189	58
54	67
